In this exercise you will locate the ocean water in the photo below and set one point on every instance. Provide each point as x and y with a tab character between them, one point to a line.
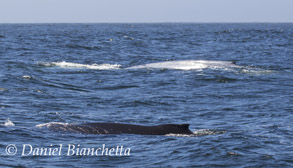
233	83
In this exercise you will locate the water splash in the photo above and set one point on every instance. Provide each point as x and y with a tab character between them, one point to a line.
8	123
201	132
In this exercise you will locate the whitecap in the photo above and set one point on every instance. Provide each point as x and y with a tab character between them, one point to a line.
127	37
26	77
8	123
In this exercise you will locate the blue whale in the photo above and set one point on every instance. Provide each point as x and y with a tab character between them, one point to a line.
116	128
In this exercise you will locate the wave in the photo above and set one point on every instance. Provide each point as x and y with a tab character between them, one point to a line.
189	65
8	123
64	64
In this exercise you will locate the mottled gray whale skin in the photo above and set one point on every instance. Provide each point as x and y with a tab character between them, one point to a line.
115	128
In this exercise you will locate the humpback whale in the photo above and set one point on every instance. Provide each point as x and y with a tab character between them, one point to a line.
189	65
116	128
177	65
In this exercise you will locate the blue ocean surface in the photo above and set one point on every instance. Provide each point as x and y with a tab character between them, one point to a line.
233	83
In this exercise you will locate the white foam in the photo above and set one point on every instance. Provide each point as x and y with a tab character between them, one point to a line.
8	123
64	64
181	135
256	71
201	132
47	125
127	37
189	65
26	77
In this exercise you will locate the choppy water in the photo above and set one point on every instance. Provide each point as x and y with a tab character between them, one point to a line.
149	74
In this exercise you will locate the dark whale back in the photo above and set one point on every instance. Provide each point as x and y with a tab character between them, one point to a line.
115	128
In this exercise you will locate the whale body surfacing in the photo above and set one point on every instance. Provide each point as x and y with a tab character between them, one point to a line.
115	128
189	65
